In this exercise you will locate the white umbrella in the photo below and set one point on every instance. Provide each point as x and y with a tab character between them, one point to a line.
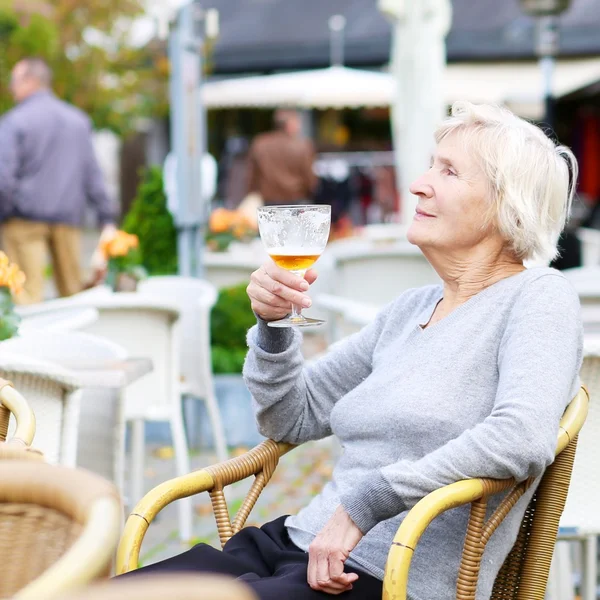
333	87
517	84
418	65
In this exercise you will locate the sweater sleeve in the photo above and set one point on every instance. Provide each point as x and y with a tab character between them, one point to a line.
293	400
538	364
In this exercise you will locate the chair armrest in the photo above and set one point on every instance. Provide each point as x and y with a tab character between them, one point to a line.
12	402
418	519
260	461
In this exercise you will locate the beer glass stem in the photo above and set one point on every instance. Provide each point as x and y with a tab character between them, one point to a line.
297	310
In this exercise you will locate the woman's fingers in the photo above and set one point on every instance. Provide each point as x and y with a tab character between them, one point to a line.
323	577
264	296
310	276
284	277
326	570
329	551
272	290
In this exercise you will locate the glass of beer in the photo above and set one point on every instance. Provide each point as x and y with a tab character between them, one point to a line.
295	236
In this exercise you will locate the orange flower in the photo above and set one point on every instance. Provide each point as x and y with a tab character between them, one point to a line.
10	275
119	245
220	220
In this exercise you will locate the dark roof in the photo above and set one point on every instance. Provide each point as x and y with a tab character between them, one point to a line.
267	35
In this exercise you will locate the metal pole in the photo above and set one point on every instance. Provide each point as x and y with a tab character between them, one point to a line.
188	135
547	48
202	145
547	64
177	140
337	25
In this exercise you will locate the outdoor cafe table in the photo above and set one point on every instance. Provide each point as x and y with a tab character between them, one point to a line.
101	437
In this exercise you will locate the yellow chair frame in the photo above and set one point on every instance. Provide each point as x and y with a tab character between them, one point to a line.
12	402
523	576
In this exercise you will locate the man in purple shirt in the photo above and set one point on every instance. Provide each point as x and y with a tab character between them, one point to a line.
48	173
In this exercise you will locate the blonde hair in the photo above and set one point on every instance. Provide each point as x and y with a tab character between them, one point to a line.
531	179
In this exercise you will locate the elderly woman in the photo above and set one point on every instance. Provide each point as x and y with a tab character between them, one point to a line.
454	381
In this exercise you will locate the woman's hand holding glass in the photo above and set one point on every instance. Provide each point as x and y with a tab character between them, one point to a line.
295	237
273	291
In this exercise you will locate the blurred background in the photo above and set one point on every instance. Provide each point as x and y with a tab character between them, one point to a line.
185	98
344	64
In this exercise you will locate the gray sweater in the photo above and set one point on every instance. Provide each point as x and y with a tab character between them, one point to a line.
478	394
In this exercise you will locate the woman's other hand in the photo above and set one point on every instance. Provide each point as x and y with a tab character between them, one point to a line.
329	551
272	291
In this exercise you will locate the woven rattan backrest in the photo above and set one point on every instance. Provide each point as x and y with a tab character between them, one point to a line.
524	574
32	538
43	510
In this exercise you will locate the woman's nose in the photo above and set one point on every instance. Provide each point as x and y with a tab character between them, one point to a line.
421	186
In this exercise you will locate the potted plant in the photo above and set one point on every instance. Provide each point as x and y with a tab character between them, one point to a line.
226	226
11	282
150	220
124	268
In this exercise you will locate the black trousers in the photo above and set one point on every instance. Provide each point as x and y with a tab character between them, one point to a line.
267	561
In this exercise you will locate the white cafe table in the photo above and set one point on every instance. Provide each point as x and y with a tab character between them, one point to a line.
101	436
66	318
56	383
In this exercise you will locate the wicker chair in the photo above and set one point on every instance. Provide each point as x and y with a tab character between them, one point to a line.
54	396
12	403
158	587
523	576
58	529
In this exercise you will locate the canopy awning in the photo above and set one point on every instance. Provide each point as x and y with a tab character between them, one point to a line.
334	87
512	83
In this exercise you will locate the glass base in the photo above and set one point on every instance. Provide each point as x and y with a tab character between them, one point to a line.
296	322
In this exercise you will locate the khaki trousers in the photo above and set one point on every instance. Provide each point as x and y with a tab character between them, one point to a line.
28	243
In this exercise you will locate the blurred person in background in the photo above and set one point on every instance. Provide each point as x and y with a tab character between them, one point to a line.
280	163
232	179
48	171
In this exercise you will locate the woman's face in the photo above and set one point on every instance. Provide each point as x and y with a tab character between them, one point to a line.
452	201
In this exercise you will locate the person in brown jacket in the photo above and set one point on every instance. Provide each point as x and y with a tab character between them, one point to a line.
280	163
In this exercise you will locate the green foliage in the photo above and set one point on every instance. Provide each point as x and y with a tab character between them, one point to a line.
228	360
8	23
9	320
88	46
151	221
38	37
230	320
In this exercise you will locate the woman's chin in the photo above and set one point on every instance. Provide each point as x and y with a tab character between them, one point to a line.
413	235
